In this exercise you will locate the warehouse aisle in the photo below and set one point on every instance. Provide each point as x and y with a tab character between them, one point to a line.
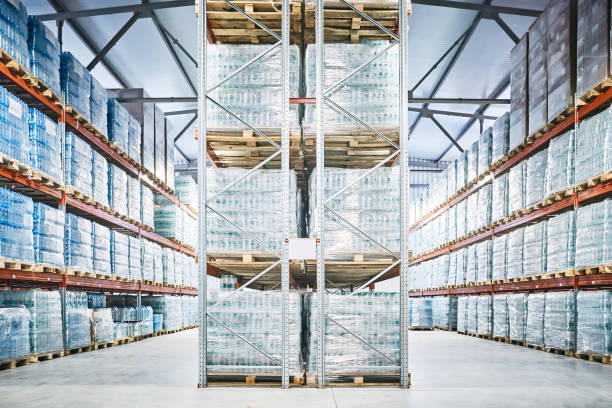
447	368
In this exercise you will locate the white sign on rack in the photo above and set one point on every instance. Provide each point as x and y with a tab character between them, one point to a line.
302	248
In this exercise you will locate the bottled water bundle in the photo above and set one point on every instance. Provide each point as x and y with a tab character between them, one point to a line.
134	138
462	320
16	224
158	322
45	144
190	310
254	94
534	251
372	316
444	312
133	199
451	224
516	187
471	267
75	81
517	316
472	162
98	104
421	313
158	267
472	315
123	330
254	204
471	213
461	266
593	234
168	265
117	189
79	253
560	164
420	276
170	307
228	283
45	316
500	316
440	276
561	246
372	204
452	268
484	206
14	139
44	53
537	75
594	146
167	218
371	94
485	150
14	332
104	327
101	242
592	50
178	268
119	254
450	175
48	234
134	260
14	30
186	189
78	164
118	124
535	319
190	230
78	320
148	259
461	219
462	170
535	185
594	314
485	314
560	54
499	198
499	252
484	259
96	300
130	313
518	93
99	178
514	254
560	320
146	196
500	137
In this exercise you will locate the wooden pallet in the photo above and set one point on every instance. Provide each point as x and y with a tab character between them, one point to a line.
599	358
45	179
103	345
535	346
124	340
558	196
15	165
593	270
15	264
78	350
381	379
518	342
41	267
343	24
70	190
501	339
83	273
247	379
562	352
228	26
558	274
417	328
484	336
35	358
593	181
595	91
10	363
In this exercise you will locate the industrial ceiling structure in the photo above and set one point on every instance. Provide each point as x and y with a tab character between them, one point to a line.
459	55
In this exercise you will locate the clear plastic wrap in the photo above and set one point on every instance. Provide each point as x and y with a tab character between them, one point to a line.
534	249
516	187
484	259
560	164
48	234
484	206
44	50
186	189
517	316
462	308
75	81
344	353
421	313
98	104
594	320
169	265
134	260
100	239
462	175
14	332
118	124
146	196
100	178
538	91
471	269
14	30
148	261
77	238
117	189
485	149
167	218
471	213
461	266
561	246
103	325
560	320
444	310
78	320
158	267
535	178
450	175
133	199
190	310
535	319
158	322
499	197
134	138
472	315
514	254
452	268
472	162
119	253
45	144
14	139
501	325
16	224
500	256
594	146
561	56
592	50
500	137
96	300
485	314
592	229
461	218
78	164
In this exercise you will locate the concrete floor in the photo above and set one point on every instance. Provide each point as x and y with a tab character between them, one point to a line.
447	369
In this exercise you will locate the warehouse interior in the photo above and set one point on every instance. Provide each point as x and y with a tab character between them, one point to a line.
428	180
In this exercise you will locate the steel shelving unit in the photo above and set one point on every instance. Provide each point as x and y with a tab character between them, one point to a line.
399	36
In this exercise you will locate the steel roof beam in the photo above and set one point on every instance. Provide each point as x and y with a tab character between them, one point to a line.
486	9
179	134
67	15
428	112
461	101
181	112
100	55
445	132
506	29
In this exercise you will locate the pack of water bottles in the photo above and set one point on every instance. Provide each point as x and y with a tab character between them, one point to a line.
444	312
168	218
472	315
499	257
594	314
499	198
170	307
123	330
133	199
462	316
158	265
16	224
516	187
101	243
14	332
594	146
534	333
146	208
561	246
44	53
484	260
534	251
14	30
420	313
134	258
148	264
130	313
500	316
560	163
254	94
471	213
104	327
484	305
119	254
117	189
471	266
168	265
461	266
535	180
77	239
78	320
48	234
178	268
45	309
483	206
371	204
45	144
98	104
560	320
190	229
514	253
186	189
134	138
158	322
75	81
118	124
96	300
371	93
78	164
14	140
189	310
254	204
99	178
593	234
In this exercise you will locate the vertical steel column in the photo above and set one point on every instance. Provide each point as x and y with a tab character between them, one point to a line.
62	291
285	69
202	329
404	190
320	177
138	305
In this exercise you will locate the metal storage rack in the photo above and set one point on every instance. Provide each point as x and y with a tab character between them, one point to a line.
397	31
